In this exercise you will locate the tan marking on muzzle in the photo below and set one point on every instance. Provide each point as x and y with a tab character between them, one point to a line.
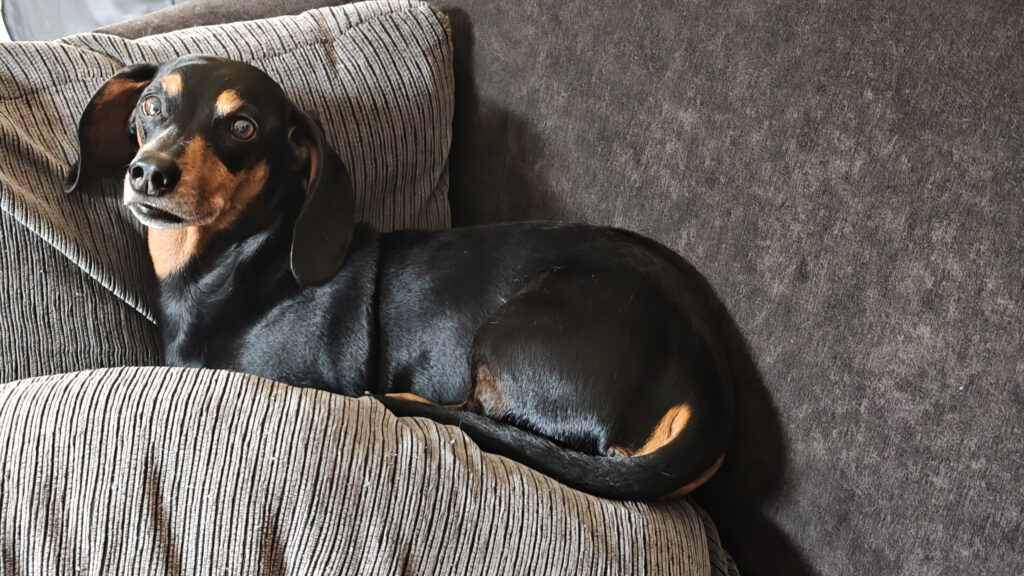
172	84
210	195
229	101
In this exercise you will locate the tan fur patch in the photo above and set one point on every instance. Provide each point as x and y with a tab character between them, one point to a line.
228	102
624	452
172	249
670	426
414	398
410	397
172	84
485	397
208	194
116	96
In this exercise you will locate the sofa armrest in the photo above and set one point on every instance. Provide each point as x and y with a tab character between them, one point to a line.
200	471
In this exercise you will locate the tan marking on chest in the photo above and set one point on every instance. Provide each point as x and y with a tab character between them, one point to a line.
170	250
229	101
172	84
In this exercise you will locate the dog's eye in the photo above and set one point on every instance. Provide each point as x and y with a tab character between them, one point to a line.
243	129
152	106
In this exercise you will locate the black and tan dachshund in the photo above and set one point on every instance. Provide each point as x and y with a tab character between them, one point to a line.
593	355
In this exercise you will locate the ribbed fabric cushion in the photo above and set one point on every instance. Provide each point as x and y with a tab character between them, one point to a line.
379	73
54	317
174	471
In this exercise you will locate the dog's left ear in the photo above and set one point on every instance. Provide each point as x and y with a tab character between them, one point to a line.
105	139
323	230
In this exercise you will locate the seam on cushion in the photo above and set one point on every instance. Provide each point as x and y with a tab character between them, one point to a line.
112	286
65	45
139	306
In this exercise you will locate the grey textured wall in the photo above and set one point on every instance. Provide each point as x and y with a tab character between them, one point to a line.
849	177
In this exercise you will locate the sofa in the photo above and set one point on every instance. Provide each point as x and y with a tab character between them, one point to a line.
846	175
113	464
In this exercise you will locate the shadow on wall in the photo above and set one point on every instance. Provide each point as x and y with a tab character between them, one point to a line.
493	178
491	169
752	474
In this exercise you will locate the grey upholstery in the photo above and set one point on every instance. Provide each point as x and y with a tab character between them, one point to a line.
171	471
849	177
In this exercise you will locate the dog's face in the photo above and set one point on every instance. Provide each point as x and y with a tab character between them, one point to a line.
211	144
208	132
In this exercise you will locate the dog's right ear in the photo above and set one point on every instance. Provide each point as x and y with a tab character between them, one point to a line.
323	230
105	138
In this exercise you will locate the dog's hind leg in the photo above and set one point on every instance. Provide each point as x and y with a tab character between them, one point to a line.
587	356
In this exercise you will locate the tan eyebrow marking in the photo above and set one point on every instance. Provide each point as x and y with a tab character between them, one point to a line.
228	102
172	84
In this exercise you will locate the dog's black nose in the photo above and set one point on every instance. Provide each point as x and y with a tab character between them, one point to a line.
153	175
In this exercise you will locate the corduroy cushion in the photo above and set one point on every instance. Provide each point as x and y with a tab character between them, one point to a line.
379	74
173	471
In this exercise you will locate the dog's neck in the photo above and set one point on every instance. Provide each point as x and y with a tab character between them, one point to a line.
216	290
210	305
211	277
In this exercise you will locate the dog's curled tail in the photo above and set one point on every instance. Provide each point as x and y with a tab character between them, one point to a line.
672	470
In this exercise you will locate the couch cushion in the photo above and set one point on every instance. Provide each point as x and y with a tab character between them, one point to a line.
166	470
379	73
54	316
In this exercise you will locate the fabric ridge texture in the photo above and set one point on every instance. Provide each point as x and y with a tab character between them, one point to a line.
183	471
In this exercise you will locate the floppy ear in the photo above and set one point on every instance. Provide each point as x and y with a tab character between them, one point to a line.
323	230
106	140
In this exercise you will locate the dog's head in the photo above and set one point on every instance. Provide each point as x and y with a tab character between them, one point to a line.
211	145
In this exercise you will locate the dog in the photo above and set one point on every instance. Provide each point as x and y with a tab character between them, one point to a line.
593	355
